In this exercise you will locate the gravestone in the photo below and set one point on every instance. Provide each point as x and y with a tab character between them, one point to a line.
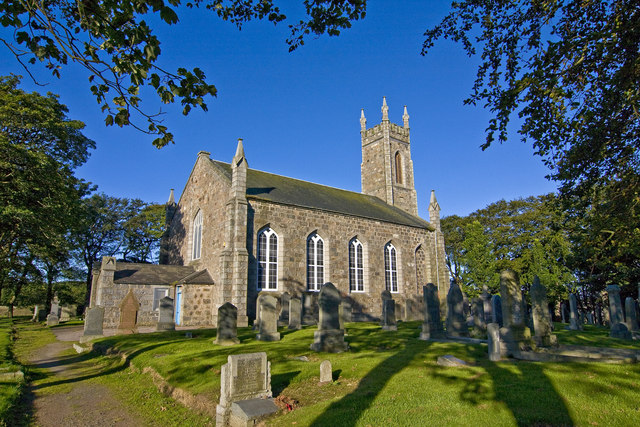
493	341
329	337
574	322
268	327
67	312
326	373
630	309
542	324
388	319
563	308
466	306
54	314
411	310
456	320
245	390
283	320
93	320
256	322
485	296
616	319
310	311
496	310
590	318
295	313
227	333
515	334
165	315
128	314
582	318
432	324
36	311
477	311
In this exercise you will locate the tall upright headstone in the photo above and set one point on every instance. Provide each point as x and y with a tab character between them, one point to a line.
256	322
295	313
284	309
563	310
515	334
329	337
388	319
540	313
268	327
54	315
227	331
129	314
496	310
456	320
93	321
485	296
432	324
574	321
632	319
310	310
616	319
165	315
493	342
477	311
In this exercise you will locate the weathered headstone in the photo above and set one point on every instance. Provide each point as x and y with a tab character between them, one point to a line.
310	312
630	309
493	341
165	315
93	322
477	311
485	296
515	334
466	306
456	320
54	314
268	327
432	324
326	373
256	322
295	313
388	319
227	333
616	319
590	318
284	309
496	310
245	390
563	311
574	322
411	310
329	337
540	313
128	314
67	312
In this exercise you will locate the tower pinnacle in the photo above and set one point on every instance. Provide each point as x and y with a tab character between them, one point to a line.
405	118
363	121
239	153
385	110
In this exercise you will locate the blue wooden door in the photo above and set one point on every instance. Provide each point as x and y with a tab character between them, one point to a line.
178	304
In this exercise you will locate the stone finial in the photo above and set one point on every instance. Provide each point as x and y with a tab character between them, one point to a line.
204	154
433	202
363	121
405	118
385	110
171	200
239	153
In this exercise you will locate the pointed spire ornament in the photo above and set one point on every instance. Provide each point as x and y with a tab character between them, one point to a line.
405	118
171	200
363	121
239	153
433	202
385	110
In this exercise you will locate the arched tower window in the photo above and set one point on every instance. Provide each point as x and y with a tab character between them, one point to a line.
390	268
197	236
398	161
315	262
267	260
356	266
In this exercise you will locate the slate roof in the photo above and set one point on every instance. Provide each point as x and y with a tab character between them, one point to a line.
290	191
151	274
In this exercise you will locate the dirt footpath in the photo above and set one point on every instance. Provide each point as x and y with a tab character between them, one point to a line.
86	404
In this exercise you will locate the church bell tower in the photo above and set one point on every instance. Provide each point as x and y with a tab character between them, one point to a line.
387	169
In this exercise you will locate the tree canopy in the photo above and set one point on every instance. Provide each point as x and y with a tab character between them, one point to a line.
114	41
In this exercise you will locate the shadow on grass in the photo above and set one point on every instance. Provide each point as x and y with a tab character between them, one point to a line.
281	381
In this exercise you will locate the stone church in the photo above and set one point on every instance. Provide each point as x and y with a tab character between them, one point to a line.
236	232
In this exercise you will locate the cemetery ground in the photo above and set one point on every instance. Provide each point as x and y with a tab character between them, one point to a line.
387	378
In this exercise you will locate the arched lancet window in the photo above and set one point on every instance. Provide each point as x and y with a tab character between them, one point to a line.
267	260
197	236
398	168
315	262
356	266
390	268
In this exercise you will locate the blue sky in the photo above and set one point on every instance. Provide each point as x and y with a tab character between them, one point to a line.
299	112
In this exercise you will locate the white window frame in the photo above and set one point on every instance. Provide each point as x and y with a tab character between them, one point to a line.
356	266
196	251
157	297
267	261
315	262
391	268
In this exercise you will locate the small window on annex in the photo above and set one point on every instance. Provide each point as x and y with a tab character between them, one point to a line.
197	236
315	262
158	294
390	268
356	266
267	260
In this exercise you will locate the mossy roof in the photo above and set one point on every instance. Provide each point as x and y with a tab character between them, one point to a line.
290	191
131	273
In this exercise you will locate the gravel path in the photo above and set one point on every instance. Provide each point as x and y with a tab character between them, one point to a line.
86	404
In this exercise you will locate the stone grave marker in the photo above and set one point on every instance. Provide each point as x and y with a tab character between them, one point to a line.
466	306
36	311
388	319
485	296
574	321
456	320
310	311
326	373
432	324
165	315
295	313
128	314
329	337
477	311
493	341
268	328
630	309
245	390
93	323
283	320
67	312
515	334
590	318
616	319
54	315
256	323
227	333
496	310
540	313
563	310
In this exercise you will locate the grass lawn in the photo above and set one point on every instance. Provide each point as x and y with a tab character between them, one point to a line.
392	378
10	390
